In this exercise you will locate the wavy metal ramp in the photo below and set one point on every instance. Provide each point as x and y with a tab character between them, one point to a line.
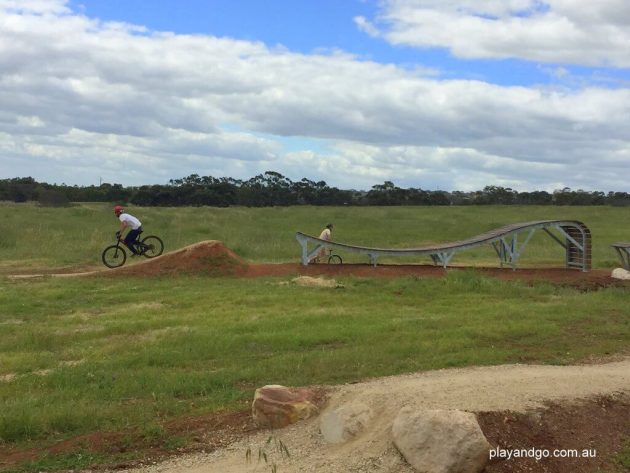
509	243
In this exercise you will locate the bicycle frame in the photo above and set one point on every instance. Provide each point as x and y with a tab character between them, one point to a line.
120	244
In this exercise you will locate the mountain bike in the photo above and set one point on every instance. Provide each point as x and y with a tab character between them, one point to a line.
332	259
115	256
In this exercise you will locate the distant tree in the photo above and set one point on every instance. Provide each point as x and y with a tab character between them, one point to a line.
461	198
20	189
52	198
385	194
18	194
492	195
305	192
439	198
272	188
143	196
566	196
534	198
268	189
618	199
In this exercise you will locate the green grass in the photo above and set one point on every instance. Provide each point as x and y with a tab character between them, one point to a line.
79	459
107	354
624	457
38	236
79	356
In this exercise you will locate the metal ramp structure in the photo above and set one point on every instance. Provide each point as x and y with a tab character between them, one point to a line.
509	242
623	251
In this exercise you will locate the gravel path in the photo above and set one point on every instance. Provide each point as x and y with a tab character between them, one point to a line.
495	388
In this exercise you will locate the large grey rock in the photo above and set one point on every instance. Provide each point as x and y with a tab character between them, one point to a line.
345	422
277	406
440	441
620	273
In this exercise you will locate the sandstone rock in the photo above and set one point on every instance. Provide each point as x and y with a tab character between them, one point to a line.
440	441
345	422
620	273
277	406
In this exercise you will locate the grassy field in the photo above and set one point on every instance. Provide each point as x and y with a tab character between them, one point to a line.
36	236
86	355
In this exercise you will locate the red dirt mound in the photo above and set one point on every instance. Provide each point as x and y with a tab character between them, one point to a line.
209	257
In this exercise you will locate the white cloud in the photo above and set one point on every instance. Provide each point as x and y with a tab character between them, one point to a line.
366	26
557	31
84	99
35	6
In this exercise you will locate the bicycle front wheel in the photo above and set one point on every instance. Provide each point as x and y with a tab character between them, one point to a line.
153	246
334	259
114	256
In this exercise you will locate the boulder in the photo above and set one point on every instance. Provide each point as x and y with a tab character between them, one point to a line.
620	273
440	441
345	422
277	406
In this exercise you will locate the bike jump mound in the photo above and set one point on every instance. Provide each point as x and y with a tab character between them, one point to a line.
210	257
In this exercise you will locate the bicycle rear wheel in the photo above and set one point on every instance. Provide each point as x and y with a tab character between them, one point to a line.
114	256
153	246
334	259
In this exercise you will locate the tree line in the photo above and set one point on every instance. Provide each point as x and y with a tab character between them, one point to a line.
273	189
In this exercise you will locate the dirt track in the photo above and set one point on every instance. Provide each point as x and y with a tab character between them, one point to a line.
213	258
497	388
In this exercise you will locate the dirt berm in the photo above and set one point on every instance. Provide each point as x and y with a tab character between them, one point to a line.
210	257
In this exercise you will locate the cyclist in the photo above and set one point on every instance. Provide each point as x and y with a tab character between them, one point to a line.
326	234
134	225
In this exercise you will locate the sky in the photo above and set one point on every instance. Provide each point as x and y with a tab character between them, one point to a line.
435	94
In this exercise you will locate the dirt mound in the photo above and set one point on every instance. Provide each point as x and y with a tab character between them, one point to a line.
210	257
